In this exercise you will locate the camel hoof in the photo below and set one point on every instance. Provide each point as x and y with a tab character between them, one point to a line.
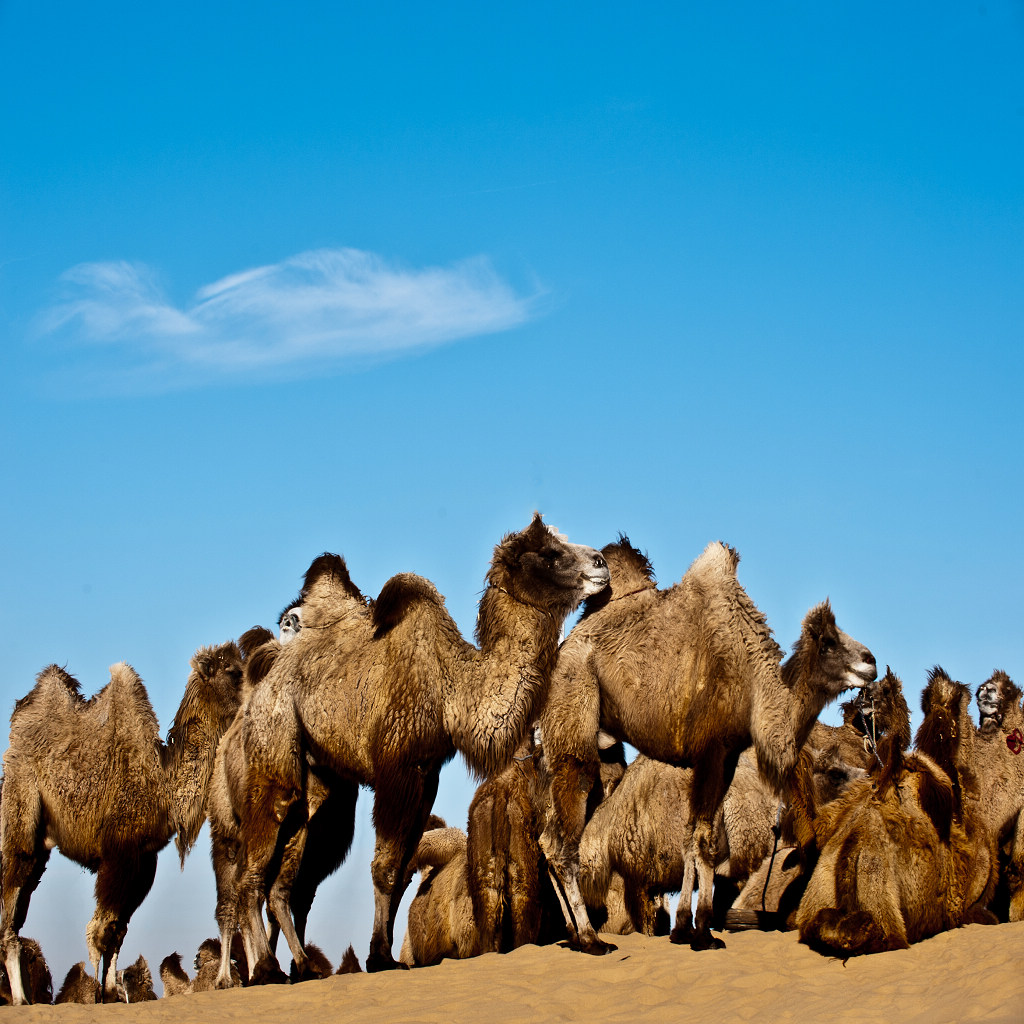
597	947
681	936
706	940
268	972
380	962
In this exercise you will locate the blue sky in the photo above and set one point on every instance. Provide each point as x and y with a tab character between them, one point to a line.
384	279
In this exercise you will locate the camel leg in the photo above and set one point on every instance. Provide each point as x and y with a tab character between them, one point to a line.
23	860
682	930
570	783
711	779
332	823
268	806
224	851
399	814
121	886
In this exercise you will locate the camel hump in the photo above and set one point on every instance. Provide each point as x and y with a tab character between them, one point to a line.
53	680
252	639
438	846
716	558
398	596
329	569
629	567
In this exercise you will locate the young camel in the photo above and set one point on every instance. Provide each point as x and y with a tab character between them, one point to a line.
387	700
902	855
319	829
93	779
690	676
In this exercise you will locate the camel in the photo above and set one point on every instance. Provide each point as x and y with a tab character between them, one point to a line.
440	919
902	855
405	691
878	716
35	975
93	779
349	963
135	982
690	676
173	977
79	986
998	761
319	837
498	864
642	834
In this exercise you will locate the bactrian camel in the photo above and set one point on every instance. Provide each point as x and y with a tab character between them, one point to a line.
319	828
902	854
998	759
92	778
690	676
487	891
387	700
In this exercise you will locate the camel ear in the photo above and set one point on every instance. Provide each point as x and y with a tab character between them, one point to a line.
204	663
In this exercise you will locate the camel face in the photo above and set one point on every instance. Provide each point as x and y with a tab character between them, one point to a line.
551	563
989	704
842	662
290	623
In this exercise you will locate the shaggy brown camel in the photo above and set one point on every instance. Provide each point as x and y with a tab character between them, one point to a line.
690	676
499	865
79	986
35	975
387	700
642	833
173	977
318	833
440	919
135	983
998	760
770	896
901	856
93	779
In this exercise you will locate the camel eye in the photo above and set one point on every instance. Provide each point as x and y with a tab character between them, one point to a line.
549	554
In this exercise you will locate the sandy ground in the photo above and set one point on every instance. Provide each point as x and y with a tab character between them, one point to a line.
975	973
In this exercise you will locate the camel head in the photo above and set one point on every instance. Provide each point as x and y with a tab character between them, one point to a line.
831	659
945	704
879	709
995	696
540	567
289	622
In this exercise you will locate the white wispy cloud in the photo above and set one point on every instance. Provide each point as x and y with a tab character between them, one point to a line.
320	308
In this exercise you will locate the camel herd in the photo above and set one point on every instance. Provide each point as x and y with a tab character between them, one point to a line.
848	834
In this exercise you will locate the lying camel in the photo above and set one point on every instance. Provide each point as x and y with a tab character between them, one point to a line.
902	857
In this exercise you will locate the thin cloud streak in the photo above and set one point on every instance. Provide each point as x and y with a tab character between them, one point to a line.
323	307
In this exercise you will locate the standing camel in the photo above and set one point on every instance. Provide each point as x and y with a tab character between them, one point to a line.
690	676
93	779
318	833
386	701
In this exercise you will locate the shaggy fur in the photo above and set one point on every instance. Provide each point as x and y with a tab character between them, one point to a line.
690	676
997	758
135	983
318	829
643	834
901	856
79	986
349	963
173	977
501	867
386	700
93	779
35	976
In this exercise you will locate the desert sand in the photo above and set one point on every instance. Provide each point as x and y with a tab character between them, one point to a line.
972	974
